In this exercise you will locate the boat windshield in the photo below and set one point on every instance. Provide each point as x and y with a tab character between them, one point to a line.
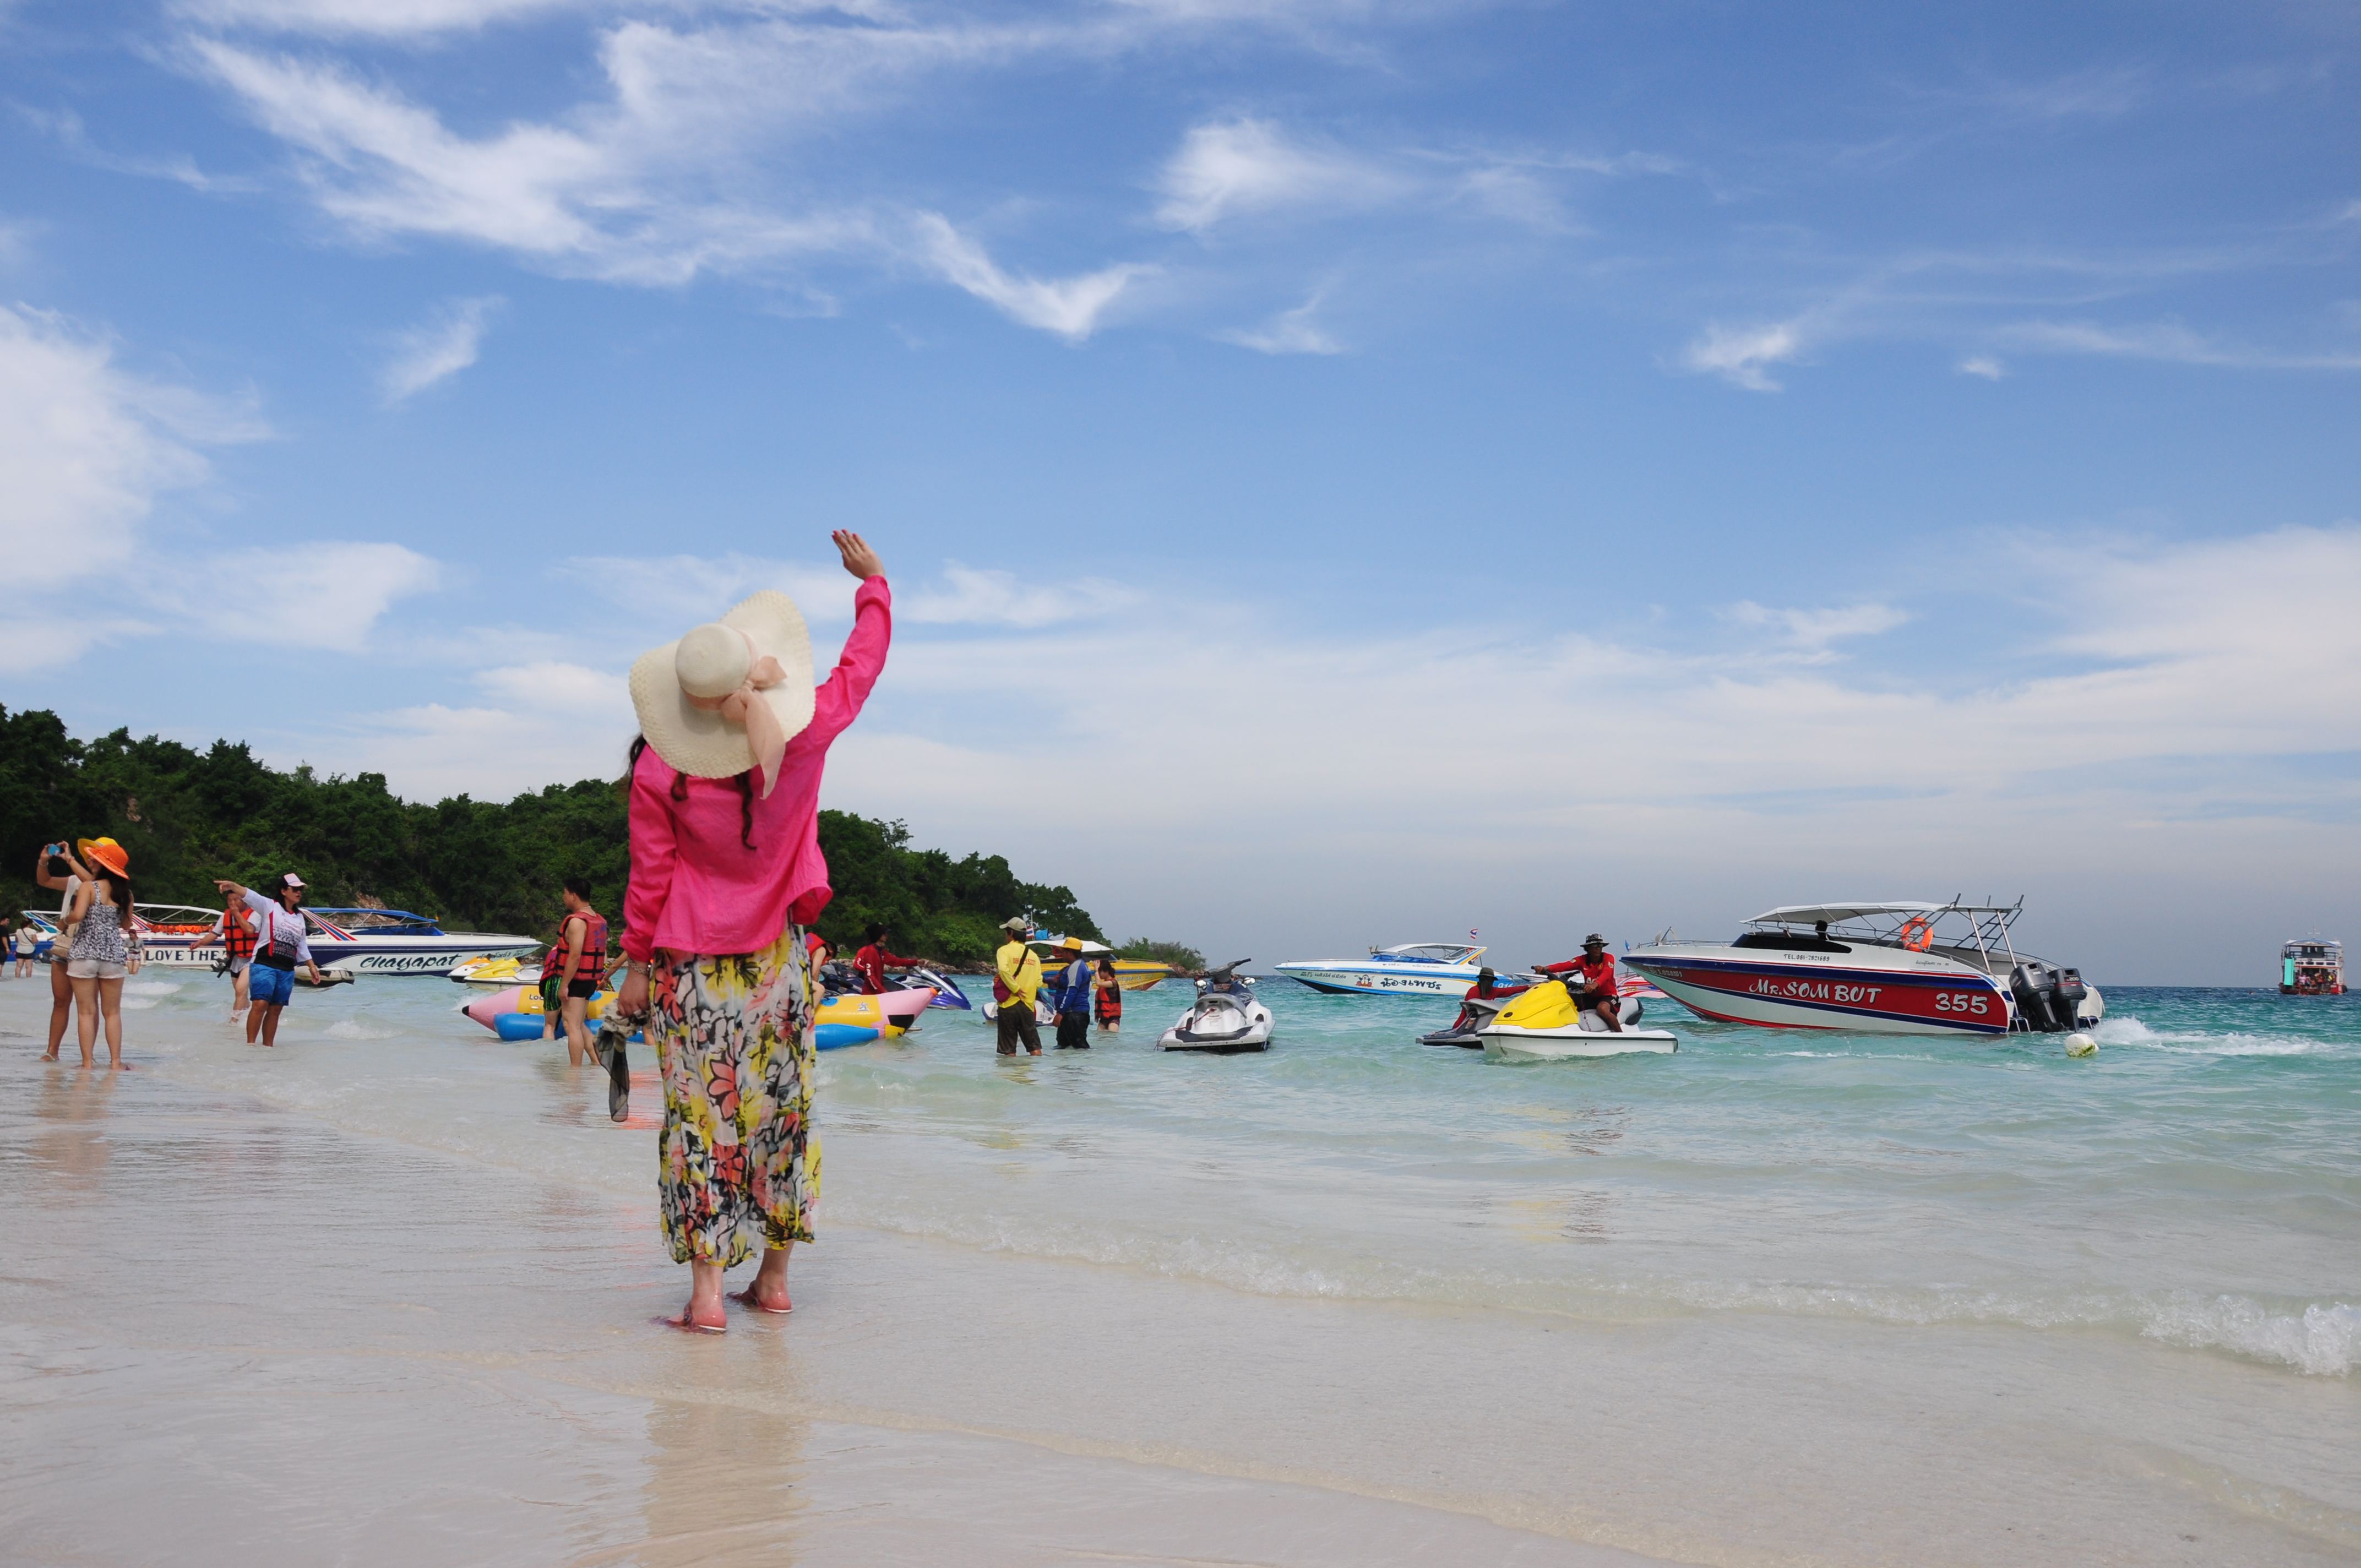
1956	926
175	919
1427	953
376	922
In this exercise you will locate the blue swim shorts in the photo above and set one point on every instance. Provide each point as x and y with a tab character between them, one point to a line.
268	987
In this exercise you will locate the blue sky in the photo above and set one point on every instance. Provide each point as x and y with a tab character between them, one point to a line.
1350	472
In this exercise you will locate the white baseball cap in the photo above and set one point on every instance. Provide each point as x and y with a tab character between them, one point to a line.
291	880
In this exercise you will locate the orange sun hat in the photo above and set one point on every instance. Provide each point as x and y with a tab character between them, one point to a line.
105	852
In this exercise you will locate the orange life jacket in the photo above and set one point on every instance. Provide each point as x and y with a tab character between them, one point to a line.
592	964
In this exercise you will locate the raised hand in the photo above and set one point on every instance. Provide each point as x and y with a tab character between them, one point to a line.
859	559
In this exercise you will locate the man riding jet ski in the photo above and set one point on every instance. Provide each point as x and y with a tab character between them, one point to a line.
1484	999
1591	978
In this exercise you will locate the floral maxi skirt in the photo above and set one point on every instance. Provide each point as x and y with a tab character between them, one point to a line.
738	1163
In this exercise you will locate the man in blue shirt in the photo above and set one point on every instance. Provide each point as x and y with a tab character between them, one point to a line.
1073	993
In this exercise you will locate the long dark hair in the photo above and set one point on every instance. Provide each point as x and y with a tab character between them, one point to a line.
118	888
745	783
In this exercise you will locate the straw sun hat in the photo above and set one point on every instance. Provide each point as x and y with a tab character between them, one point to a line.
730	695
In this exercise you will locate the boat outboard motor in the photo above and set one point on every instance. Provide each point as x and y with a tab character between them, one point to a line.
2068	995
2031	986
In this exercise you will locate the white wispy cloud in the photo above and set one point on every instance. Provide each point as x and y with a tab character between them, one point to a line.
1247	166
1069	307
2173	343
971	595
1812	631
1289	331
678	591
379	17
65	128
86	447
651	187
327	595
1231	168
558	686
438	347
681	591
1743	355
1983	365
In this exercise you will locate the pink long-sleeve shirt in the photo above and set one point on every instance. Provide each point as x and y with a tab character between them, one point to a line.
695	888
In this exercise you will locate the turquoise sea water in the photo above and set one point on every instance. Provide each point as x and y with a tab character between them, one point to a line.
2196	1185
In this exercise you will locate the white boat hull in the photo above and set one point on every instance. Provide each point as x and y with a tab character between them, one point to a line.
385	955
1385	980
1508	1042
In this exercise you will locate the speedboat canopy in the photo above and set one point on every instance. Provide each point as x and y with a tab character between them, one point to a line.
1428	953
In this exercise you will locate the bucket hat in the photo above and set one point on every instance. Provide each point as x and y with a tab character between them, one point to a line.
105	852
730	695
1594	940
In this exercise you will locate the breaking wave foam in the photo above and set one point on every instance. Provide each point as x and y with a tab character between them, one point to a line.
2318	1339
2229	1043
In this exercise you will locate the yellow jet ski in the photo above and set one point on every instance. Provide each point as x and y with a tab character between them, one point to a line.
1543	1025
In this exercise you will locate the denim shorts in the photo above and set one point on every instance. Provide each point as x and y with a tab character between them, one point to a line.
270	987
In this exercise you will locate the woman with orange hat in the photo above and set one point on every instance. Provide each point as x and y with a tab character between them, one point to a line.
726	876
106	947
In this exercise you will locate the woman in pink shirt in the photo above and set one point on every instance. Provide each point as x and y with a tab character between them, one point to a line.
726	872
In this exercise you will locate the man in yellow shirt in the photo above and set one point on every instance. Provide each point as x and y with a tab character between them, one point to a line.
1015	982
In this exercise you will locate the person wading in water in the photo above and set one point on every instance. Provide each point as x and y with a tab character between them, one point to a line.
1073	991
580	958
58	871
237	955
106	947
280	943
1015	984
727	874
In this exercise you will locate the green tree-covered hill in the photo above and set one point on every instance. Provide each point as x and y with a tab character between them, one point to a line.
187	817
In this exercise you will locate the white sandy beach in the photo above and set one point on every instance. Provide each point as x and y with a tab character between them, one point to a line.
385	1298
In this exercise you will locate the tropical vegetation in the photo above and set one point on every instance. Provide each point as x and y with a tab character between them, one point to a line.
187	817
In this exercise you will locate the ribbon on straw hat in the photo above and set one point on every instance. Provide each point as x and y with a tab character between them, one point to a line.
730	695
107	852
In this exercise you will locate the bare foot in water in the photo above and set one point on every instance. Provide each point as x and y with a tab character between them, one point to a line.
754	1297
698	1320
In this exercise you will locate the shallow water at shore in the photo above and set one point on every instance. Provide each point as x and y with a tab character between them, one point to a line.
1843	1297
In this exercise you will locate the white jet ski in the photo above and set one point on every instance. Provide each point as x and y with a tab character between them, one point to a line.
1467	1030
1226	1016
1545	1025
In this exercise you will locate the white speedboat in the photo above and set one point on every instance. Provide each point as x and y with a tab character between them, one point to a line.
1411	969
1227	1017
1545	1025
366	942
1885	968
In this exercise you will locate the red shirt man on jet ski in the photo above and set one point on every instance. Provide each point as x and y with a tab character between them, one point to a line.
871	958
1591	978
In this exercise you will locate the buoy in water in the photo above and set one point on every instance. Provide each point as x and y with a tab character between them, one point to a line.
2081	1045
